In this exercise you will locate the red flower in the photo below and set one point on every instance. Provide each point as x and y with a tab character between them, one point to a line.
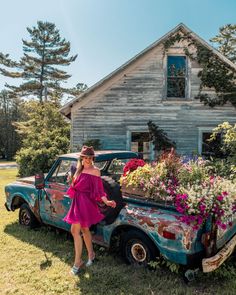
132	165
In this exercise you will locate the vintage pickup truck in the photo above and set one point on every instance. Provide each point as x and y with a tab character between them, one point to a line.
142	229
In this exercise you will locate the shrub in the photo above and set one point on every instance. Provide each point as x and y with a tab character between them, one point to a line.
45	135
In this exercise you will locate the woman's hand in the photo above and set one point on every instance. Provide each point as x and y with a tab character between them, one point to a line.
108	202
111	203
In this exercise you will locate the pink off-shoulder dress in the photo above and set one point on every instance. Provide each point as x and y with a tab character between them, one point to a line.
86	192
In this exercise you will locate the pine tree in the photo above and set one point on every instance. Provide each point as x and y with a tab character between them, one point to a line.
226	41
159	138
39	68
10	112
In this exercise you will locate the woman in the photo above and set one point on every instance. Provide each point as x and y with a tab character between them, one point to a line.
86	190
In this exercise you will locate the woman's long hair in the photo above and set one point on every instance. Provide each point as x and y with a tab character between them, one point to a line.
79	168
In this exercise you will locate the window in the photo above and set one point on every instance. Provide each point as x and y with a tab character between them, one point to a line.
176	76
140	143
210	148
100	165
117	166
62	171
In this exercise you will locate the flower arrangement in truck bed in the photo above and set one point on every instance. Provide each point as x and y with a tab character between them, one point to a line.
189	186
156	181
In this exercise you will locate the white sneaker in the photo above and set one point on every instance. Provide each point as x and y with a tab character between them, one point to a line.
75	270
90	262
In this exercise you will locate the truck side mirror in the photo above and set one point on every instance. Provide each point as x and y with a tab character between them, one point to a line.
39	181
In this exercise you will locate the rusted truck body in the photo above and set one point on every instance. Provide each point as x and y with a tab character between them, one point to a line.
142	229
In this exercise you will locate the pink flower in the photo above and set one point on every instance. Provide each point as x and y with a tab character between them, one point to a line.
220	198
223	226
202	207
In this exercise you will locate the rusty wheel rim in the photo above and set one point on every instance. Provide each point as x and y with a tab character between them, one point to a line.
25	218
138	252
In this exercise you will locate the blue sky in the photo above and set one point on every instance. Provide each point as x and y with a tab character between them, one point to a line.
107	33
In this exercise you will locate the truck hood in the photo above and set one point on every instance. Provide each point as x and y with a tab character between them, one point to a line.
29	179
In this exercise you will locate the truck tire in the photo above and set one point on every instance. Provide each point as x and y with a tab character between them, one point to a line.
137	248
112	189
26	217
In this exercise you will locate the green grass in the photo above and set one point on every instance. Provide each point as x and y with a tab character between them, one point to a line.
39	261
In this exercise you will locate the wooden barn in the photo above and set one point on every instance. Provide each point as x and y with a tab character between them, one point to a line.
116	109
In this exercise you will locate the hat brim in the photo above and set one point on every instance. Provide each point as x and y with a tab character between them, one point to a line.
86	155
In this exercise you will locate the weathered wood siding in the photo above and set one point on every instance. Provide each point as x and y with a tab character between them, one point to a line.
136	95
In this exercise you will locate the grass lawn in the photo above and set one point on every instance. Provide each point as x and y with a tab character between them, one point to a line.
39	261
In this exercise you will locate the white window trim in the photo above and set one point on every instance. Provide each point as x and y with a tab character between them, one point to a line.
201	130
129	131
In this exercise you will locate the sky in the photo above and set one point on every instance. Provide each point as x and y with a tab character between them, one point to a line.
107	33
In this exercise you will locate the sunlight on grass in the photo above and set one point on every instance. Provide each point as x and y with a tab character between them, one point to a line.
39	261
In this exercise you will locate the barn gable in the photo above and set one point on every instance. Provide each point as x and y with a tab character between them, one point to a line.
117	108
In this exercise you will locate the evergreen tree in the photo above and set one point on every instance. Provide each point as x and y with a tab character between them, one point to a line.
10	112
159	138
39	68
45	134
226	41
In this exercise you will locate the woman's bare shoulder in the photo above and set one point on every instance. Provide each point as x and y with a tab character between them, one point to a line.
93	171
97	171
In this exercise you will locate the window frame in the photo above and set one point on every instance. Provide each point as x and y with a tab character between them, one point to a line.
56	170
202	130
137	129
187	80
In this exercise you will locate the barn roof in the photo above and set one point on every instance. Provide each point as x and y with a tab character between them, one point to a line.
66	109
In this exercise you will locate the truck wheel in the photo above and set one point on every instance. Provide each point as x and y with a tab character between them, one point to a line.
137	248
26	217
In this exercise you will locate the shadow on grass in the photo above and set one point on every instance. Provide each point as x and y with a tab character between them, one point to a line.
48	239
110	275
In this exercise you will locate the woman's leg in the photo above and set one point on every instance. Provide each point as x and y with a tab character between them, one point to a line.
88	242
78	243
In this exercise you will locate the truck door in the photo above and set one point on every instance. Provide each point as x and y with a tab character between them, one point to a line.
54	203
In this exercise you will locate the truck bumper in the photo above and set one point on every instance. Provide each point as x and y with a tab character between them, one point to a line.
7	207
212	263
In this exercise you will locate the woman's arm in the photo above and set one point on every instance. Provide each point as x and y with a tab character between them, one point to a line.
108	202
104	198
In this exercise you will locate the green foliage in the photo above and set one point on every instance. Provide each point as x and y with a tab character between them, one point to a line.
162	262
222	167
159	138
10	111
38	68
215	73
228	133
44	136
226	41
